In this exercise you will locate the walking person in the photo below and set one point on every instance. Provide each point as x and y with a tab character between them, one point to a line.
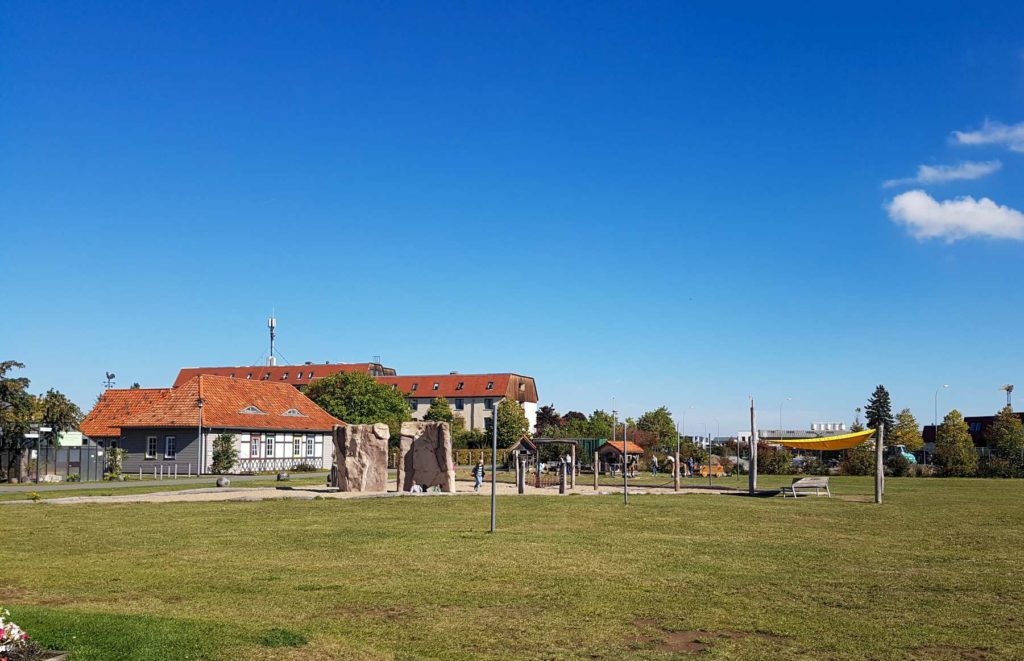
478	475
654	465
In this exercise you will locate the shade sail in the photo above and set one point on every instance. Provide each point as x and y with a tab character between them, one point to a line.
842	442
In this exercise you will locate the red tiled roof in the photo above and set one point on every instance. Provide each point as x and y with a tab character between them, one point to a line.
224	399
295	375
116	405
448	385
631	447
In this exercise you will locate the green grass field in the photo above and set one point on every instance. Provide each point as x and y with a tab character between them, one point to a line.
932	573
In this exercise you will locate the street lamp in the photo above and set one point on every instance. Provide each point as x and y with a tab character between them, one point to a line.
1009	391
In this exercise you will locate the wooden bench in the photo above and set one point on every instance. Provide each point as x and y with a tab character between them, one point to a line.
805	485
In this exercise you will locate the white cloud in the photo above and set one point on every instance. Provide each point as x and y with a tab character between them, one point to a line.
937	174
994	133
955	219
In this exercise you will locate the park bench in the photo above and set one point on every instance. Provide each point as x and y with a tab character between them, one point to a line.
806	485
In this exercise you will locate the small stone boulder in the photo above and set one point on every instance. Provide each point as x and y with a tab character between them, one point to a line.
223	482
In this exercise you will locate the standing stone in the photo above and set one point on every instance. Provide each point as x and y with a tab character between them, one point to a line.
426	456
361	452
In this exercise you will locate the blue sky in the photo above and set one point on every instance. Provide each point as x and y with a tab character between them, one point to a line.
665	203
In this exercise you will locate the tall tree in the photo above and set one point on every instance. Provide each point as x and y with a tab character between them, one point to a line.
16	410
548	420
1005	437
954	449
658	422
57	411
512	423
359	399
600	424
857	425
879	410
439	411
906	432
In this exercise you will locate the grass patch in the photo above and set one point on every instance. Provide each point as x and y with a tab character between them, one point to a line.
933	572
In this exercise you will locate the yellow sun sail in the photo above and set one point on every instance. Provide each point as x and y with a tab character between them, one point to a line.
842	442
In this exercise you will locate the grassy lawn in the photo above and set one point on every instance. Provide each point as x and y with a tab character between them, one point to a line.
932	573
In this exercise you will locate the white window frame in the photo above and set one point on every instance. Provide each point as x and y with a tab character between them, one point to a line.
296	445
254	446
170	447
310	445
269	440
151	442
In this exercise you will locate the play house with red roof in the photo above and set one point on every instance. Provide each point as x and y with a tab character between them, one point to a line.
171	430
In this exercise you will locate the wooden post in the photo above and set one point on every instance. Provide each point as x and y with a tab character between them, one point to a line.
879	466
675	472
572	468
752	472
515	455
597	470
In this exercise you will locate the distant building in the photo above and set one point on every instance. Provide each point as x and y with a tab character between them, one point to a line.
817	430
275	426
470	396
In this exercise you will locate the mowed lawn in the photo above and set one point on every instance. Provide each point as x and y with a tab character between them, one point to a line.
935	572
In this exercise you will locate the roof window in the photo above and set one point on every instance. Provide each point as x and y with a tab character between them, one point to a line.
459	385
436	386
490	385
298	376
249	375
266	376
252	410
415	387
284	376
294	413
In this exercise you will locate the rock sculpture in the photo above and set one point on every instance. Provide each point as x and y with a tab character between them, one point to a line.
362	455
426	456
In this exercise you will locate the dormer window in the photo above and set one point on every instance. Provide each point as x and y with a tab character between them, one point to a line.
284	377
436	386
522	387
459	385
294	413
490	385
310	375
252	410
298	376
249	376
266	376
415	387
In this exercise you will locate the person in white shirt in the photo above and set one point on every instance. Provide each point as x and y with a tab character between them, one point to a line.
415	488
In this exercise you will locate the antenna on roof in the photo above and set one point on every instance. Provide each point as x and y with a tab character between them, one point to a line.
376	359
272	325
109	383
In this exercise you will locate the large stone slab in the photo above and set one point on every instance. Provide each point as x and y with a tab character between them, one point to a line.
426	456
361	453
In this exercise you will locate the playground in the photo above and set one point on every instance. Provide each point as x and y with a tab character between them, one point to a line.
563	577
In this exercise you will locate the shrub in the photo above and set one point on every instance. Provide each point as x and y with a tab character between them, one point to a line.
34	496
994	466
74	477
773	460
898	466
304	467
225	454
858	461
115	462
811	466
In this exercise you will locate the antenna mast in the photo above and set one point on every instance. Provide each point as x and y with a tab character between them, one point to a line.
272	325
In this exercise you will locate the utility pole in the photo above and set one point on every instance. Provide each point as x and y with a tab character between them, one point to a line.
879	469
494	470
625	462
752	472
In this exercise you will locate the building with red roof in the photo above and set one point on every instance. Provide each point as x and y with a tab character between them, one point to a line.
274	425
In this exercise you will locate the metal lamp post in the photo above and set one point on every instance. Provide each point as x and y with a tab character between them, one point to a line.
199	438
494	471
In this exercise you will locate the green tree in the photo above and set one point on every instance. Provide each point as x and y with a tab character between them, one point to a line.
512	423
879	410
16	413
225	454
439	411
954	449
548	421
358	398
906	432
659	422
859	460
55	410
600	424
856	426
1005	437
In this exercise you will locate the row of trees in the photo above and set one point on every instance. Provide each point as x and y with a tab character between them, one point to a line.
21	412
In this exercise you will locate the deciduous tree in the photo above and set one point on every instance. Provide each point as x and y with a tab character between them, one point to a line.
359	399
1005	437
906	432
512	423
954	449
659	422
439	411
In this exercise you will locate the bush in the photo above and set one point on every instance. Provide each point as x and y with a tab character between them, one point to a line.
304	467
225	454
773	460
811	466
993	466
115	461
898	466
74	477
858	461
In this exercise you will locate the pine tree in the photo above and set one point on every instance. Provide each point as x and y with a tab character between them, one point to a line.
1006	435
906	432
879	410
954	449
